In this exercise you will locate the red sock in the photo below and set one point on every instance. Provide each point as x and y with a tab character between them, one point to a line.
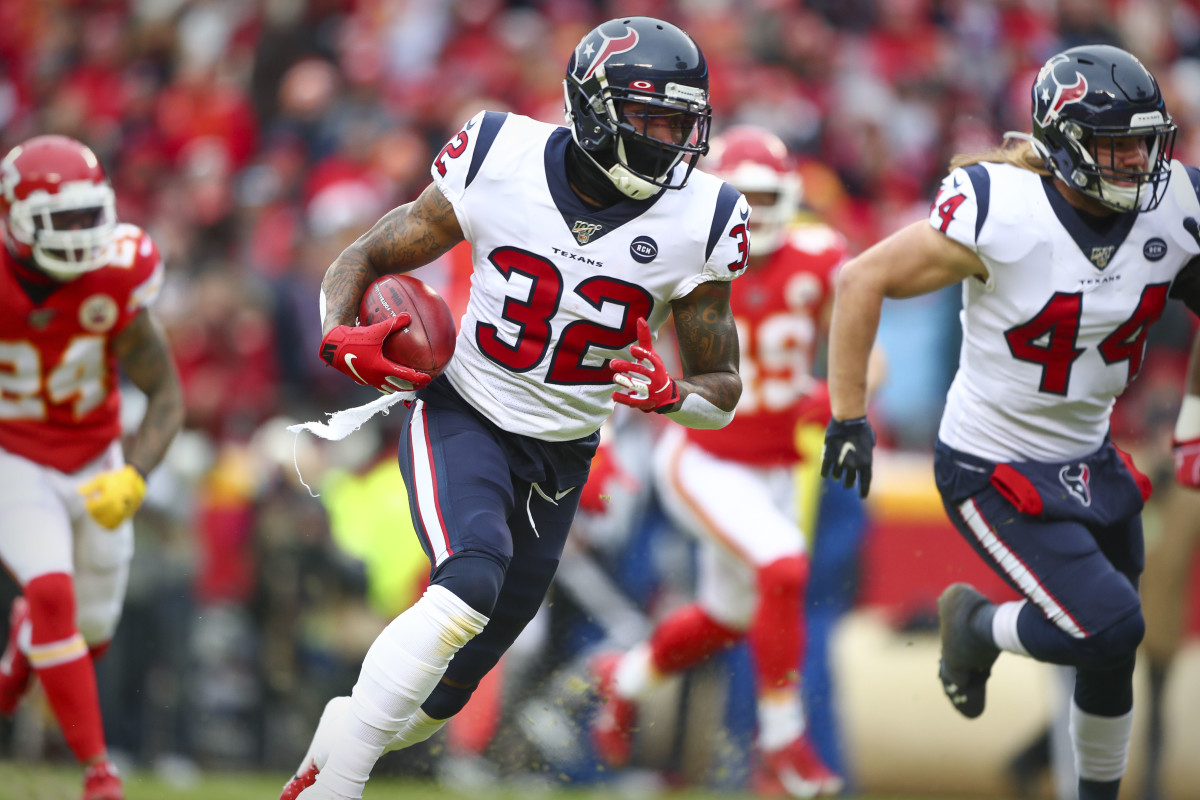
687	637
777	633
61	660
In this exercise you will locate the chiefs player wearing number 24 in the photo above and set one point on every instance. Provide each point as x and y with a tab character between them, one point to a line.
75	286
584	238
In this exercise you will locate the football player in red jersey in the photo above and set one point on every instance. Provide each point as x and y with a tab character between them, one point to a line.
75	286
734	487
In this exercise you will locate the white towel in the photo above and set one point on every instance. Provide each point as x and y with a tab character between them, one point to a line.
345	422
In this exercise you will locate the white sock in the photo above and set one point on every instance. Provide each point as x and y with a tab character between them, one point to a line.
780	718
1101	744
416	729
402	667
635	676
329	730
1004	627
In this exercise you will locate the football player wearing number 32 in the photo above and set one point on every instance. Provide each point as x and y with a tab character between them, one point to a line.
585	238
1068	245
75	290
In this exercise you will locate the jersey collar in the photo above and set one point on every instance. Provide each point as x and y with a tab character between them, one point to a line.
1098	238
586	223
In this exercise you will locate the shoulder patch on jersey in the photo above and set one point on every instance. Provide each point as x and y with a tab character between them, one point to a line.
727	198
485	137
643	249
981	182
1154	249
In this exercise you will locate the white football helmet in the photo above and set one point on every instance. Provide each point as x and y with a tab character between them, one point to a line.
57	206
756	162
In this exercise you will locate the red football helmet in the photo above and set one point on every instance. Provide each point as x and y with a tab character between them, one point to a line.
756	162
57	206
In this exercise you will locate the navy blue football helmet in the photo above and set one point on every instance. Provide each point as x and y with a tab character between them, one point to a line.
1084	99
623	79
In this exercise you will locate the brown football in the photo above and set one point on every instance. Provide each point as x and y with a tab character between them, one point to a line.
427	342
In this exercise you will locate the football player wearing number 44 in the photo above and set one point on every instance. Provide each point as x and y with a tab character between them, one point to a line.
1068	245
584	239
75	290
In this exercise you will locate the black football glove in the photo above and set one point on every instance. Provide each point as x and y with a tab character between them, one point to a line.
847	453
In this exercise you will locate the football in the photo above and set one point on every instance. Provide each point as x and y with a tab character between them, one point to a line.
427	342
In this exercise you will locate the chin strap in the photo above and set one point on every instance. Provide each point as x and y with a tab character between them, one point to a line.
631	185
606	184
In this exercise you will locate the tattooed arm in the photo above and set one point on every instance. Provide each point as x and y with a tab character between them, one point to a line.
708	352
144	355
403	239
708	349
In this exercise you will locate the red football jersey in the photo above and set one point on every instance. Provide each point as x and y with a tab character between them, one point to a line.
59	403
777	307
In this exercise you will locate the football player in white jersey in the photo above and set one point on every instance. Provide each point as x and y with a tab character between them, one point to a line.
585	238
1068	246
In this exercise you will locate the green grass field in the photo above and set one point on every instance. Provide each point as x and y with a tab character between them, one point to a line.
20	782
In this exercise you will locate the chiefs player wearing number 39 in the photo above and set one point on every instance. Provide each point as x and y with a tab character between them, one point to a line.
1068	245
75	290
585	238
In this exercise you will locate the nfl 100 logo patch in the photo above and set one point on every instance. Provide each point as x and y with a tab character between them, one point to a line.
583	230
1102	255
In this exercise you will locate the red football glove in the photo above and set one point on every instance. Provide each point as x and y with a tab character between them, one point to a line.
1187	462
650	387
356	351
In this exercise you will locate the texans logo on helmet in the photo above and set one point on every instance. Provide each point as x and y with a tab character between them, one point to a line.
608	48
1063	93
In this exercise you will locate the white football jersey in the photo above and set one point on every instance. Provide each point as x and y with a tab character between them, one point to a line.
1059	329
557	286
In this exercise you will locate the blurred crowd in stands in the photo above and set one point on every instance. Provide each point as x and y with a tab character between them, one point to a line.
254	140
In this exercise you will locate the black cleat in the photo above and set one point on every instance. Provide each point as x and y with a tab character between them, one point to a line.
966	661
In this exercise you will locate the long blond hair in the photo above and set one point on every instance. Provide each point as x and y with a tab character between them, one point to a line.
1016	150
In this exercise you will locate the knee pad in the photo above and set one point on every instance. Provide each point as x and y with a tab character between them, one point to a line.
473	577
445	700
51	601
